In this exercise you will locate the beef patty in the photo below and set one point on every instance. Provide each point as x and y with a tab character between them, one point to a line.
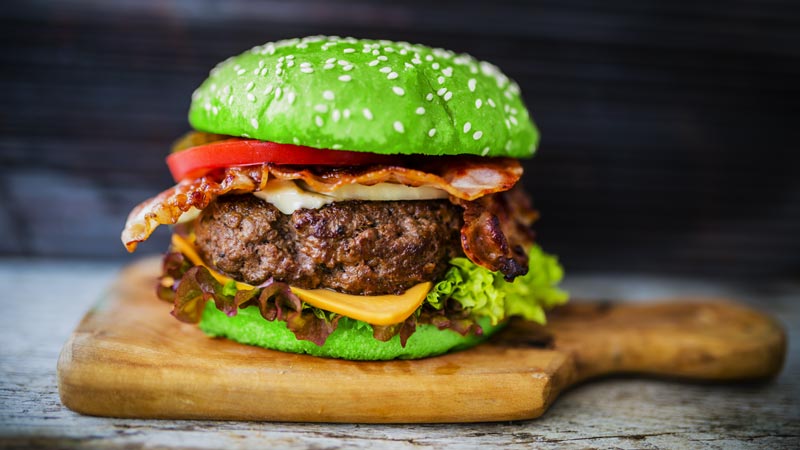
357	247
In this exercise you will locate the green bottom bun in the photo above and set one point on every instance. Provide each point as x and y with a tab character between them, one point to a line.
351	339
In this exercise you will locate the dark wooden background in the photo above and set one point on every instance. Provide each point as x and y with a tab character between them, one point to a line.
670	129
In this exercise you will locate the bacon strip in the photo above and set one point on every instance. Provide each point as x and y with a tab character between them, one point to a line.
466	178
167	207
497	231
463	178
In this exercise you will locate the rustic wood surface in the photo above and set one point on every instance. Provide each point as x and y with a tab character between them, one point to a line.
45	300
130	358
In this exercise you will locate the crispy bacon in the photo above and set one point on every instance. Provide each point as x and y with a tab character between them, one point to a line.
167	207
497	231
463	178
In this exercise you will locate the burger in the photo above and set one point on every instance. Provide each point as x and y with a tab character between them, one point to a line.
352	198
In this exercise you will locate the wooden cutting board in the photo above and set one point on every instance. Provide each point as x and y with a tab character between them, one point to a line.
130	358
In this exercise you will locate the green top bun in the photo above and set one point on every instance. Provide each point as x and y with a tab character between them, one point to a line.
365	95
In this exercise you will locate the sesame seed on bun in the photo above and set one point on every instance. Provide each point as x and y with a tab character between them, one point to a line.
421	100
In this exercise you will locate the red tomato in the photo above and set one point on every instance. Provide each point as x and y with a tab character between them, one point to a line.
197	161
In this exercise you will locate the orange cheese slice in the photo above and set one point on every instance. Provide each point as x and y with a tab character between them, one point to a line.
187	248
373	309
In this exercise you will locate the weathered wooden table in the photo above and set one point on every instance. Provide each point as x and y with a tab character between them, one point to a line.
43	301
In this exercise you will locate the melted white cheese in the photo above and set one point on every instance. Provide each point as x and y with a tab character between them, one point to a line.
190	215
288	197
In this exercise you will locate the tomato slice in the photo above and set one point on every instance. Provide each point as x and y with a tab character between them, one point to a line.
197	161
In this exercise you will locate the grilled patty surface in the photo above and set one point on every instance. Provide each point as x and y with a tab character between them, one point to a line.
356	247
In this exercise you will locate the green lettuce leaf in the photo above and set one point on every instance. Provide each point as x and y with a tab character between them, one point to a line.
487	294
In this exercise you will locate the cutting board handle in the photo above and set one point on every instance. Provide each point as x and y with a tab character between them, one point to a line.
697	339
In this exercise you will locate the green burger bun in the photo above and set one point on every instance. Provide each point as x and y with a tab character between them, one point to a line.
351	340
368	96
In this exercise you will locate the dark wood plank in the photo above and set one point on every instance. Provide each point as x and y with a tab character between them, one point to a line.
669	136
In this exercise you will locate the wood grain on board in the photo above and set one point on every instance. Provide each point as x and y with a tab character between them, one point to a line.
130	358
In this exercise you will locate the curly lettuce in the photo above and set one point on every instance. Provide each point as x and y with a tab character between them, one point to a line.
487	294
